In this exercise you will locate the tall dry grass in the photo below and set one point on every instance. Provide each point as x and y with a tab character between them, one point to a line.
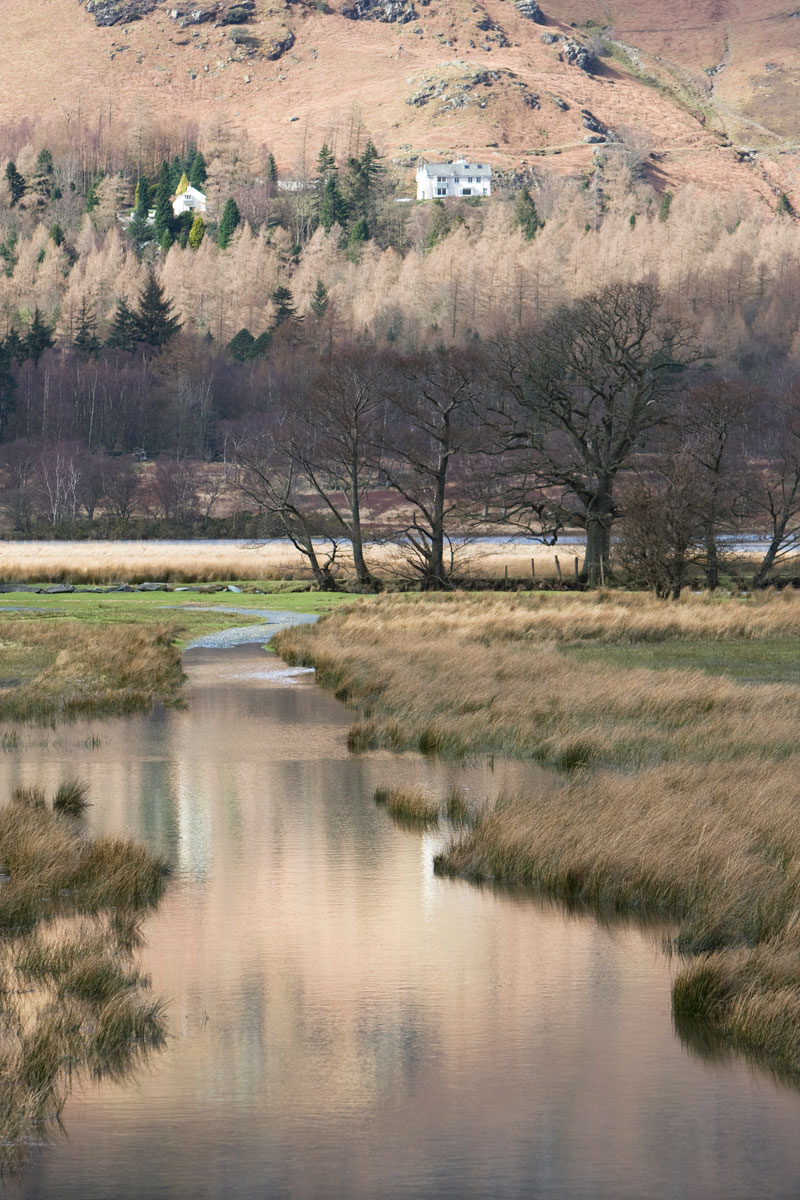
88	668
72	999
91	562
682	796
460	674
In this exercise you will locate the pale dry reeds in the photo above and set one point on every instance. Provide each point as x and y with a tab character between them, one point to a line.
89	668
72	1000
682	797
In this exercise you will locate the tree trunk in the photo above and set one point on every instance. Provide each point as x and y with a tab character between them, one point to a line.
712	560
600	514
434	579
365	580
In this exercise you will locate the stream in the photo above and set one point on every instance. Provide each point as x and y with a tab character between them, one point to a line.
344	1024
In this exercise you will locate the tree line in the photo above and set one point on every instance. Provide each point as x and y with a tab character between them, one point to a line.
608	415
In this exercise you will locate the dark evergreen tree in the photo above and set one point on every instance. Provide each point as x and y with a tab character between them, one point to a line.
124	332
526	217
332	208
92	198
156	323
241	345
42	182
231	218
162	222
57	233
86	339
272	168
326	163
39	337
16	183
285	309
262	344
197	171
10	350
320	300
359	232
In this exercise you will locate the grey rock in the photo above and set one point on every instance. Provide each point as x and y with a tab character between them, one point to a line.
57	589
19	587
233	588
531	10
115	12
152	587
391	12
577	55
277	47
549	39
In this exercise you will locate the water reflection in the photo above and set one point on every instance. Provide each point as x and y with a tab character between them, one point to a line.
345	1024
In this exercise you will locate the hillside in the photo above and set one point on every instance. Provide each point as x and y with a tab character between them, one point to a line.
498	80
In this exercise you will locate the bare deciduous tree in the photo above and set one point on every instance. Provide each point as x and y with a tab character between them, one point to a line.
588	385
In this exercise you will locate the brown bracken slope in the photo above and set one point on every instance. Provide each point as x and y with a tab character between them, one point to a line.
457	77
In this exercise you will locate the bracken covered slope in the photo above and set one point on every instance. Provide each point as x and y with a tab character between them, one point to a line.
500	80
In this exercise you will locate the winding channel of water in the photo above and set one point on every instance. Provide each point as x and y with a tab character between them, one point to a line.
345	1024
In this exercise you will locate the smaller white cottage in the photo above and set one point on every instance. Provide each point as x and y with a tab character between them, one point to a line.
188	199
459	178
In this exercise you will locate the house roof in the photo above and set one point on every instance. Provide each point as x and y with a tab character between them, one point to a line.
457	169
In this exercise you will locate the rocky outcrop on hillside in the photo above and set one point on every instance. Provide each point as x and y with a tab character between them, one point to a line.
575	53
277	46
496	35
389	11
470	88
117	12
531	10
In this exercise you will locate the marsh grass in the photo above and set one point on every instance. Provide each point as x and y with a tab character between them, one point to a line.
89	669
71	797
411	805
679	792
72	999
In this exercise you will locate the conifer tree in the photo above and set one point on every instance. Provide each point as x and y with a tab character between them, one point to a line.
163	206
320	300
156	323
86	339
332	208
183	184
230	220
39	336
241	345
285	309
124	333
526	217
197	171
16	183
197	232
93	196
326	163
272	168
139	229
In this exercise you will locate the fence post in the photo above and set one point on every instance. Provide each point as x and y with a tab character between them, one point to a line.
558	567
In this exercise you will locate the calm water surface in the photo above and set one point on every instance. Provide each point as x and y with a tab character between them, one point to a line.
343	1023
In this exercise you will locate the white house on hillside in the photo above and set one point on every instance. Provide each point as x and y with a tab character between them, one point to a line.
459	178
189	200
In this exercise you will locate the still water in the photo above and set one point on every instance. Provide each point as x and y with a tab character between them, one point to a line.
345	1024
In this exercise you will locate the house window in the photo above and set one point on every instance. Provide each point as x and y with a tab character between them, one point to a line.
466	191
441	191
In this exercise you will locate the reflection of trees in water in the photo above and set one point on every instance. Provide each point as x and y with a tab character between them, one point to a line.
73	1003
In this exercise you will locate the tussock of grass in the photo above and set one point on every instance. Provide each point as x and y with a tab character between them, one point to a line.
409	804
682	792
90	669
72	1000
71	797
